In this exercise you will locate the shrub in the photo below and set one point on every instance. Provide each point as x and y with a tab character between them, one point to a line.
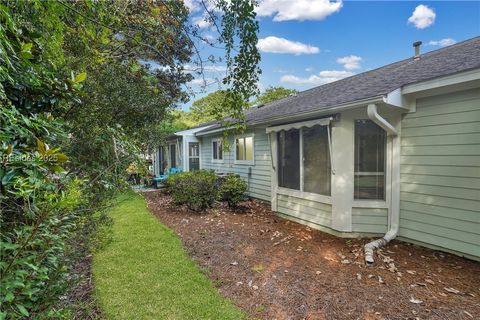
195	189
232	190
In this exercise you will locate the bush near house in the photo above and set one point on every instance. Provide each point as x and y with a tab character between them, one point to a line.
195	189
199	189
232	189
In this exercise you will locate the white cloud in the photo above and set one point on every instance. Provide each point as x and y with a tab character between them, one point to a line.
203	82
281	45
422	17
350	62
309	69
206	68
442	43
284	10
192	5
322	77
201	22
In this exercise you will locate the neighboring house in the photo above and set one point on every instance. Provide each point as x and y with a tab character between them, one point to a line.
181	150
394	150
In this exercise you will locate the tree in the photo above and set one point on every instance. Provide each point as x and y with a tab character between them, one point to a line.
206	109
274	93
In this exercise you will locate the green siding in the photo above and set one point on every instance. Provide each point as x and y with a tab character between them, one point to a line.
440	172
369	220
311	211
257	175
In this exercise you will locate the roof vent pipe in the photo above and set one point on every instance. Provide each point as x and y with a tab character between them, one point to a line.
417	45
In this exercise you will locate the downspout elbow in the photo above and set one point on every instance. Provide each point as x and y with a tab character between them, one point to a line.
381	122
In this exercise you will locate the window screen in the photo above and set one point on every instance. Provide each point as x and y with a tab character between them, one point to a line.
289	159
370	148
217	150
316	160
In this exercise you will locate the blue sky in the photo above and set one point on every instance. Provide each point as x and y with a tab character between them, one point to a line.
323	40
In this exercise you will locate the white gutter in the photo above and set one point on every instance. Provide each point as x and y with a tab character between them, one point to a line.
394	210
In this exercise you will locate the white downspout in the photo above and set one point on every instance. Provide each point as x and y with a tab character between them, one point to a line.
394	211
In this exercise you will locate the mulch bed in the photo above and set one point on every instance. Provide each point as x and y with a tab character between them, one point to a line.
276	269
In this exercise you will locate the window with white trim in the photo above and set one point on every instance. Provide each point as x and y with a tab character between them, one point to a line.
217	150
370	158
304	159
244	149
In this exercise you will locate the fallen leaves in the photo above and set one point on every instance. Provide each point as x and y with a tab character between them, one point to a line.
415	301
452	290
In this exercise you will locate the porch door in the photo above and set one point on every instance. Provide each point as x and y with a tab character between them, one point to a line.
173	156
193	156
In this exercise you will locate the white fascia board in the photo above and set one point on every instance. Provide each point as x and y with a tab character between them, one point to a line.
191	131
442	82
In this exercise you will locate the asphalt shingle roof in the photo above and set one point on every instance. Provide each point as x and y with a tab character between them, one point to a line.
457	58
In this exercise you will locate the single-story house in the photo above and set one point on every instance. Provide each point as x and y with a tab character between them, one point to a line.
392	152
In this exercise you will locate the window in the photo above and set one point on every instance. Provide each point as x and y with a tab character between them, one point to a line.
289	159
217	152
316	160
173	156
370	155
306	151
193	156
244	150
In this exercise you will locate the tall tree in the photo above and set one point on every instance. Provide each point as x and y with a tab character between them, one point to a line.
273	94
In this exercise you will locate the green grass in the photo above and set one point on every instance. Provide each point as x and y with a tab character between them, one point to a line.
145	273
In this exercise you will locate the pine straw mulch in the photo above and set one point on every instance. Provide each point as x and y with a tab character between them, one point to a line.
276	269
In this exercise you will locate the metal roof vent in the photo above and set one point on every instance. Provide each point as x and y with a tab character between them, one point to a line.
417	45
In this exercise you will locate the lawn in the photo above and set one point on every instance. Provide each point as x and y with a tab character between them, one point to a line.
145	273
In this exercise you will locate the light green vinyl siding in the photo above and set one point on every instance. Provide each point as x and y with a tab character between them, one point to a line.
440	172
369	220
257	175
305	210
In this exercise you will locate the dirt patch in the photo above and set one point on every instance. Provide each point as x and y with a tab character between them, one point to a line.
277	269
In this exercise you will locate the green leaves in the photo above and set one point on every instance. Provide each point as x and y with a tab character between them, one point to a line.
80	77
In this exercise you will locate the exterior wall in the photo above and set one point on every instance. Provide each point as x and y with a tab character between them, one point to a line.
440	172
305	210
369	220
257	175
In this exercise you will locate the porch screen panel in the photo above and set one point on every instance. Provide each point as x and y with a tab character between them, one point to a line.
289	159
173	156
370	151
193	156
316	160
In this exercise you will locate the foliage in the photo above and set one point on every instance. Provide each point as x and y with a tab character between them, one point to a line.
232	189
38	214
273	94
145	272
78	103
206	109
196	189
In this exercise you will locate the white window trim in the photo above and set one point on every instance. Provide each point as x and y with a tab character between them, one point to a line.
223	153
305	194
244	162
369	203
